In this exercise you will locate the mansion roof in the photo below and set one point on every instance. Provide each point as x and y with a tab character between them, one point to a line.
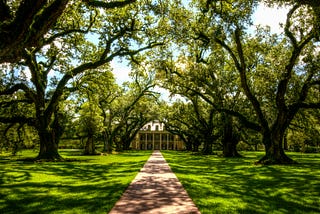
153	126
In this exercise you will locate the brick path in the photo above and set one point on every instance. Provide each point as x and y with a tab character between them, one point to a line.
156	189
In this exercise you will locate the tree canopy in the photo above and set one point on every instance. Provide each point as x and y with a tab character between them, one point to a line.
27	23
55	56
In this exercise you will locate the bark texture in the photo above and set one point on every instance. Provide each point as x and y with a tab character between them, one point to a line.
48	147
230	139
27	27
274	150
89	148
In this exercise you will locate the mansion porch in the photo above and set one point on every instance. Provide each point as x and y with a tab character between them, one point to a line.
156	140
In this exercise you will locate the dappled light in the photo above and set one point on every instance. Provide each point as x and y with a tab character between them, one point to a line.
221	185
155	190
235	90
91	185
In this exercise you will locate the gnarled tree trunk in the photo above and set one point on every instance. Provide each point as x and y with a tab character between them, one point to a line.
195	147
207	148
230	140
208	143
48	146
49	136
230	148
107	144
89	148
275	154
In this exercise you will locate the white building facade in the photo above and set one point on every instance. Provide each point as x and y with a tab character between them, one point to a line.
153	136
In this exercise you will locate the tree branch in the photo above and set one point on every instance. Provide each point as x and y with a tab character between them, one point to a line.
230	51
5	12
26	29
49	66
18	119
69	31
309	105
305	88
296	52
316	82
288	25
240	116
86	66
6	104
244	82
110	4
20	86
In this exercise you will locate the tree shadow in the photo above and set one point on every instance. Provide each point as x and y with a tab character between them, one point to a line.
88	186
222	185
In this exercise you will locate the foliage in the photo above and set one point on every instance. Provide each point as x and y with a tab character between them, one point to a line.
195	122
120	111
16	138
263	80
235	79
27	24
302	136
179	119
132	111
46	74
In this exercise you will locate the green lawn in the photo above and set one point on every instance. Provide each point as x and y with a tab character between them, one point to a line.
92	184
220	185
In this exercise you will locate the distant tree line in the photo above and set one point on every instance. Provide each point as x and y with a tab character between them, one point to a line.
235	86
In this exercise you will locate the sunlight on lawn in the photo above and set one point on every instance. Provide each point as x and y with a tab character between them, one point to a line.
91	184
236	185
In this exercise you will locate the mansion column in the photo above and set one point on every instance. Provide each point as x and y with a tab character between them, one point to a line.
152	141
137	142
145	143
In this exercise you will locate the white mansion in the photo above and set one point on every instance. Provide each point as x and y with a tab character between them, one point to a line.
153	136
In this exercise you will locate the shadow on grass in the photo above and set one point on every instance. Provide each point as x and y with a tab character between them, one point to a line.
125	153
89	186
236	185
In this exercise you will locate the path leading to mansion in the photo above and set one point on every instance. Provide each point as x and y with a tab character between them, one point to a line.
156	189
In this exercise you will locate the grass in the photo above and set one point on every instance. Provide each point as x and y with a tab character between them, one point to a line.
221	185
92	184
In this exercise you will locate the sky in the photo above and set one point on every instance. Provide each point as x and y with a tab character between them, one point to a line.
120	70
270	16
263	16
